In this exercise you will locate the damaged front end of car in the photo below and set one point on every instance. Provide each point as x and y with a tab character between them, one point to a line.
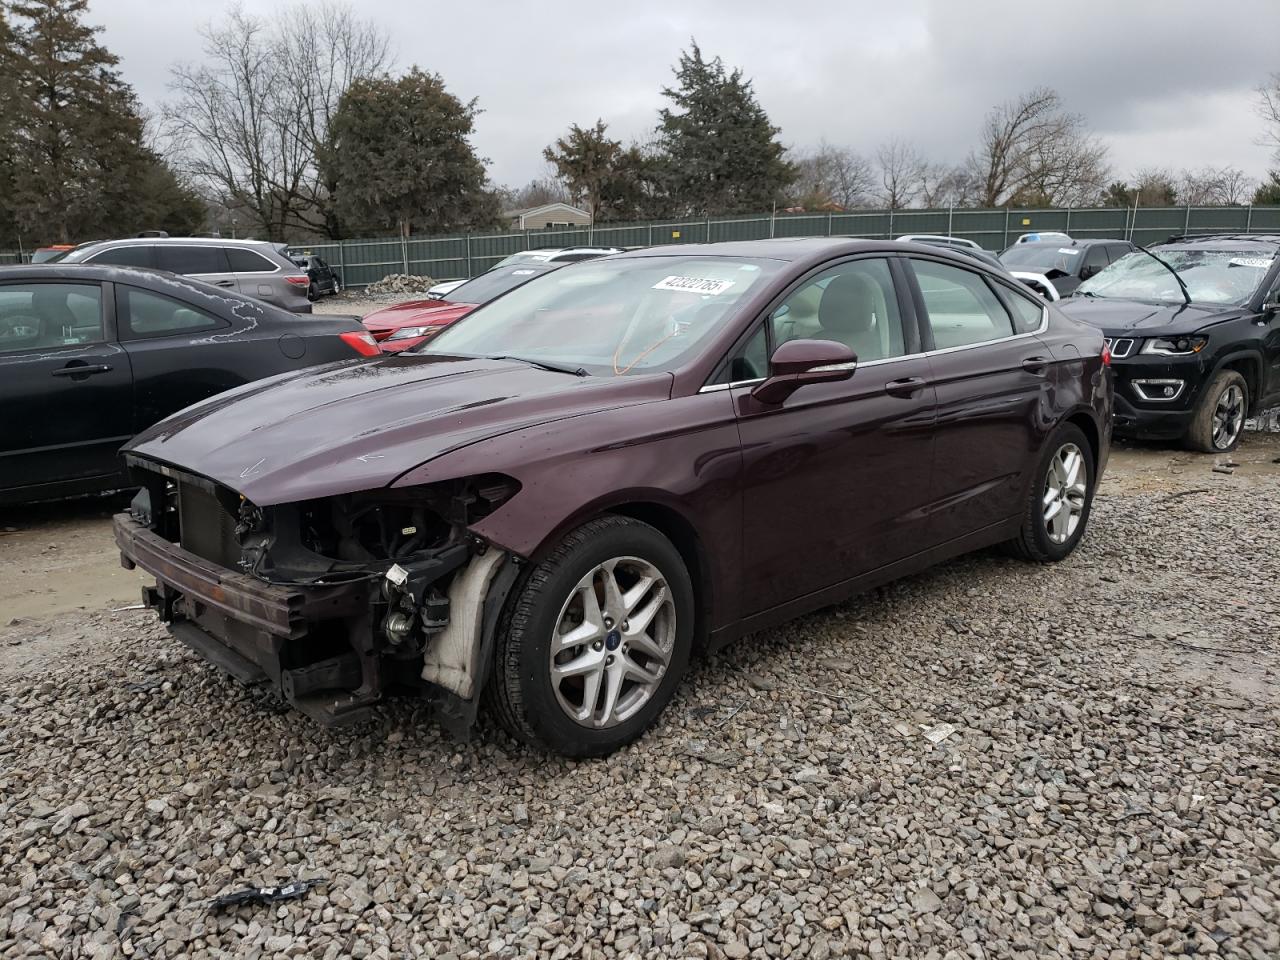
334	601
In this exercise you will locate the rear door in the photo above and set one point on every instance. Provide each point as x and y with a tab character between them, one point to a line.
66	388
257	276
989	375
202	261
180	354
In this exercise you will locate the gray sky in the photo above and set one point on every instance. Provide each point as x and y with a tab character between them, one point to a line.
1165	83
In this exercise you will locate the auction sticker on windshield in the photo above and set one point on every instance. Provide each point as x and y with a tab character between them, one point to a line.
693	285
1068	252
1259	262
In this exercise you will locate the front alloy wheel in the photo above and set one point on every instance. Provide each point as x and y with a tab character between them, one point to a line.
613	641
1219	418
595	639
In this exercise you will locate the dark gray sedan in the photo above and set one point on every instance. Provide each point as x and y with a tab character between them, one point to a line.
91	355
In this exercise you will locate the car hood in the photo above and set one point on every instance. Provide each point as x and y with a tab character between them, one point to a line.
1114	316
417	313
360	425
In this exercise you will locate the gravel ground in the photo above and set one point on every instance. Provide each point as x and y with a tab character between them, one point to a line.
1109	790
358	303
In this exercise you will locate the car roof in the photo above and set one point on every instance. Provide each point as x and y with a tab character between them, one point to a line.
1225	241
1073	242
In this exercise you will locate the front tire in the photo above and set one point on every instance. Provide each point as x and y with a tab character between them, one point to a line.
595	641
1220	415
1060	498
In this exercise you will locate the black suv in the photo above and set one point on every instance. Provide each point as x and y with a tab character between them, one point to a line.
1068	263
323	280
1194	331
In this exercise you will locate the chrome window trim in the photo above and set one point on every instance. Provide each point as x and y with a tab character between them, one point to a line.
854	365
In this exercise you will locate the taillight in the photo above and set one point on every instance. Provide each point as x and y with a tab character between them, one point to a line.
1106	354
362	342
298	281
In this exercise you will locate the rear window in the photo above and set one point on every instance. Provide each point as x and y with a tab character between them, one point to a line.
246	261
191	260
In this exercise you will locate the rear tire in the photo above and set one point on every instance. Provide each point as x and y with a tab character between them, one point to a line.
583	679
1219	418
1060	498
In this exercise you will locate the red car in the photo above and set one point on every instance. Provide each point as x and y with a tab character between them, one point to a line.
408	324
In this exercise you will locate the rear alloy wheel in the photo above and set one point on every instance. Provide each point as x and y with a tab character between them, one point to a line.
596	640
1060	498
1219	418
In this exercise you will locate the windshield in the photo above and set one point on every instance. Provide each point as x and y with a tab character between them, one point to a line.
610	317
1211	276
1046	258
495	283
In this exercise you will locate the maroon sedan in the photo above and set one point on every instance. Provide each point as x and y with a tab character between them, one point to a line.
558	499
409	324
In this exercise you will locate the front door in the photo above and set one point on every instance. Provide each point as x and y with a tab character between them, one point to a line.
66	390
837	476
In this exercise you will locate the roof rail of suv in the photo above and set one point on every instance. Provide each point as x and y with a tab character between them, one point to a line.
1245	237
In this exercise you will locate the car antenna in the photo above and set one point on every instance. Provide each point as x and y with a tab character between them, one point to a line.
1181	283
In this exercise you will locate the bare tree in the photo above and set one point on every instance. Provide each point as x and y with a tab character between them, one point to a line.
833	175
944	186
1215	186
1032	151
902	173
535	193
1269	111
251	124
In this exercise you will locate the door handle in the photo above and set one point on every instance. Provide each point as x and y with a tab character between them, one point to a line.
1035	365
224	283
82	370
906	387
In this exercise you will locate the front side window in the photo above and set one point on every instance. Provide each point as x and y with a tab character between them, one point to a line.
1096	258
610	317
43	316
1211	276
853	303
962	307
191	260
145	314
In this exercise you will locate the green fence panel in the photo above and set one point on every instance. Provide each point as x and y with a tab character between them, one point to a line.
458	256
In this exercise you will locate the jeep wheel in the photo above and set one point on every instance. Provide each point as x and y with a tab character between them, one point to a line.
1219	418
596	640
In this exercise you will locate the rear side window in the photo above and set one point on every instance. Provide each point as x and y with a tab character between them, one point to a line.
246	261
135	255
1027	314
144	314
41	316
192	260
962	308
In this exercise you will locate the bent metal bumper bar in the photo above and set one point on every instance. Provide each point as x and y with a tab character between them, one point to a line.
242	624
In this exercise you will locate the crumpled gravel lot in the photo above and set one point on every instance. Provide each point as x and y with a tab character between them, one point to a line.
1110	788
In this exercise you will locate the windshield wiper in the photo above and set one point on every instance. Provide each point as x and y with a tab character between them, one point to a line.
543	365
1185	292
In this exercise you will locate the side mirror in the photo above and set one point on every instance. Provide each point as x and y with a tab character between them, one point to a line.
1089	271
800	362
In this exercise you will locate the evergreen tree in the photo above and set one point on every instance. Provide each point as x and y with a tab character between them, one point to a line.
9	233
586	160
722	153
402	159
80	167
1268	192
